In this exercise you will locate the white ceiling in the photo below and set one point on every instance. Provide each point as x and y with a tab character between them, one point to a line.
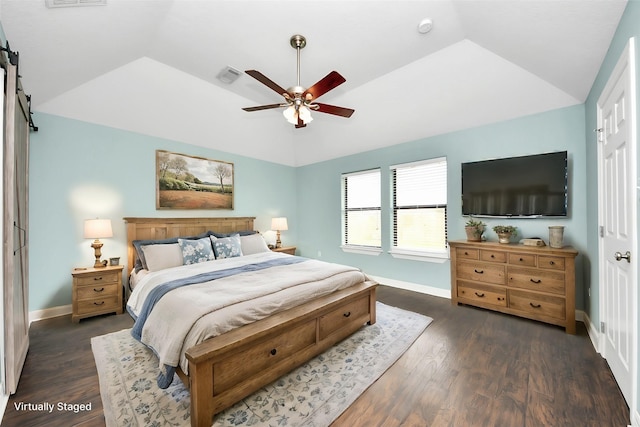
150	66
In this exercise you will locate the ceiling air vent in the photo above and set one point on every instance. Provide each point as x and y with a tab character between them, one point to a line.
228	75
74	3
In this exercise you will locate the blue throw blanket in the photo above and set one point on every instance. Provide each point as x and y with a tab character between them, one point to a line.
166	376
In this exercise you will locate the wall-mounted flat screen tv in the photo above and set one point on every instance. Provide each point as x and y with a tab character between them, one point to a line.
526	186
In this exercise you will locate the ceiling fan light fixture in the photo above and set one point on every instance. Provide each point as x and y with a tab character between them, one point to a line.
290	114
305	115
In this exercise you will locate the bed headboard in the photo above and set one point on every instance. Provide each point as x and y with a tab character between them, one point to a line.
164	228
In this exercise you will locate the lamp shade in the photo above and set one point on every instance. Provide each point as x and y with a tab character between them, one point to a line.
97	228
279	224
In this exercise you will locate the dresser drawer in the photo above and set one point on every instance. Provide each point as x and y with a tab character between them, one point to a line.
487	294
537	304
342	316
92	279
537	279
481	272
551	262
97	291
99	305
467	253
493	256
526	260
259	356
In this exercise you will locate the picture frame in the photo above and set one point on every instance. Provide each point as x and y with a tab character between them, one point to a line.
192	182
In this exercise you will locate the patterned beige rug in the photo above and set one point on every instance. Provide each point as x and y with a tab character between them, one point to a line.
314	394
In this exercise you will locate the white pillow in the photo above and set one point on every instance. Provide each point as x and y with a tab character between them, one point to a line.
253	244
164	256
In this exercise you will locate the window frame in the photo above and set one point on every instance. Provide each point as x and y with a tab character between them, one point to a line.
350	247
429	255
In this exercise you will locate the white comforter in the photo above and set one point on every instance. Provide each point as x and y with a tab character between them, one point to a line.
191	314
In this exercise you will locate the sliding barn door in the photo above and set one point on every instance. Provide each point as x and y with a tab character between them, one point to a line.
15	226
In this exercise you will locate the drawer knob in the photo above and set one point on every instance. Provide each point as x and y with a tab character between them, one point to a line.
273	351
99	303
535	305
536	281
520	260
478	271
347	314
552	263
479	295
98	290
493	256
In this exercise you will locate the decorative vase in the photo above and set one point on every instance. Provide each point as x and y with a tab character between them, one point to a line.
474	234
556	233
504	237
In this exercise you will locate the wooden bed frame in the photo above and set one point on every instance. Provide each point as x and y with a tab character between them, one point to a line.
231	366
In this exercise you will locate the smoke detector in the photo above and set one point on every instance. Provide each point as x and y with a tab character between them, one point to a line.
425	26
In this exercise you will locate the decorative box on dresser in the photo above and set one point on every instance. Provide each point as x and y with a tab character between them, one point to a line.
527	281
96	291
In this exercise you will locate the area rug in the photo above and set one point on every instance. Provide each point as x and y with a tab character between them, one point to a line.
314	394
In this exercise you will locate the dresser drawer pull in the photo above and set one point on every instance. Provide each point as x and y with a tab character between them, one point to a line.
552	263
273	351
98	290
520	260
500	298
479	272
347	314
97	278
493	256
466	253
479	295
536	281
99	303
535	305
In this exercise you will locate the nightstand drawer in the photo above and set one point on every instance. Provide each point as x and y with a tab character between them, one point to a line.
102	278
99	305
97	291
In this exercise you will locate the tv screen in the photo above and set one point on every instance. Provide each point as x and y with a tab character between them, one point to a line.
526	186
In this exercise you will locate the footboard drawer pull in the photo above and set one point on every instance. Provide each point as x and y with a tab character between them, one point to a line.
347	314
535	305
273	352
479	295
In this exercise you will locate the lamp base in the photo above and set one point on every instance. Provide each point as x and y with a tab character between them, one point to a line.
278	242
97	245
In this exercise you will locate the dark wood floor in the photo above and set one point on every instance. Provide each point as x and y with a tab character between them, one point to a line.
471	367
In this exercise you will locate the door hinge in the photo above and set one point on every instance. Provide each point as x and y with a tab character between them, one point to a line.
602	327
601	231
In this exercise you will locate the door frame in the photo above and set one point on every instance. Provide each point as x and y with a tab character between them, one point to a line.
627	59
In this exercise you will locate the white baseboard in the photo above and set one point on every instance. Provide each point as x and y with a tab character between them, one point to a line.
409	286
48	313
4	400
593	332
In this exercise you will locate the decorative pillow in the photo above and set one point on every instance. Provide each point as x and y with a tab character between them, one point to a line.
253	244
233	233
159	257
227	247
195	251
141	261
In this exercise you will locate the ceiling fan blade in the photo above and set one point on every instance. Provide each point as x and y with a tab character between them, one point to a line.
328	82
266	81
264	107
332	109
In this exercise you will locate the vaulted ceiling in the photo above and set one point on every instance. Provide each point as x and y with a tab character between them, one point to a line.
150	66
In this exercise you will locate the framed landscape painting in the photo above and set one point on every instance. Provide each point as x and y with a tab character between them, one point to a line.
189	182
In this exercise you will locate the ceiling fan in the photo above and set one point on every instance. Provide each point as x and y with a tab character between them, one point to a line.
300	101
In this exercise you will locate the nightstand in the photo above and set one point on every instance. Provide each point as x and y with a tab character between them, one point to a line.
291	250
96	291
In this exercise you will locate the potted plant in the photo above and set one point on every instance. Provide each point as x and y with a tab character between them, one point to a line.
505	232
474	229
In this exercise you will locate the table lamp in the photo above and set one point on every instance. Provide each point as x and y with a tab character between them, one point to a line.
279	224
97	229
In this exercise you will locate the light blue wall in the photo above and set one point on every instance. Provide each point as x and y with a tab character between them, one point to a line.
80	170
319	191
629	27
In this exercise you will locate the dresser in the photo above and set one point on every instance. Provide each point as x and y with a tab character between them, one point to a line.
527	281
96	291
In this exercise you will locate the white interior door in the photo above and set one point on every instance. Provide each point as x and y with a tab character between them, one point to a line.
618	255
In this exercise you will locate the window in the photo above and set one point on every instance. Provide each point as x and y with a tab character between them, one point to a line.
419	197
361	210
